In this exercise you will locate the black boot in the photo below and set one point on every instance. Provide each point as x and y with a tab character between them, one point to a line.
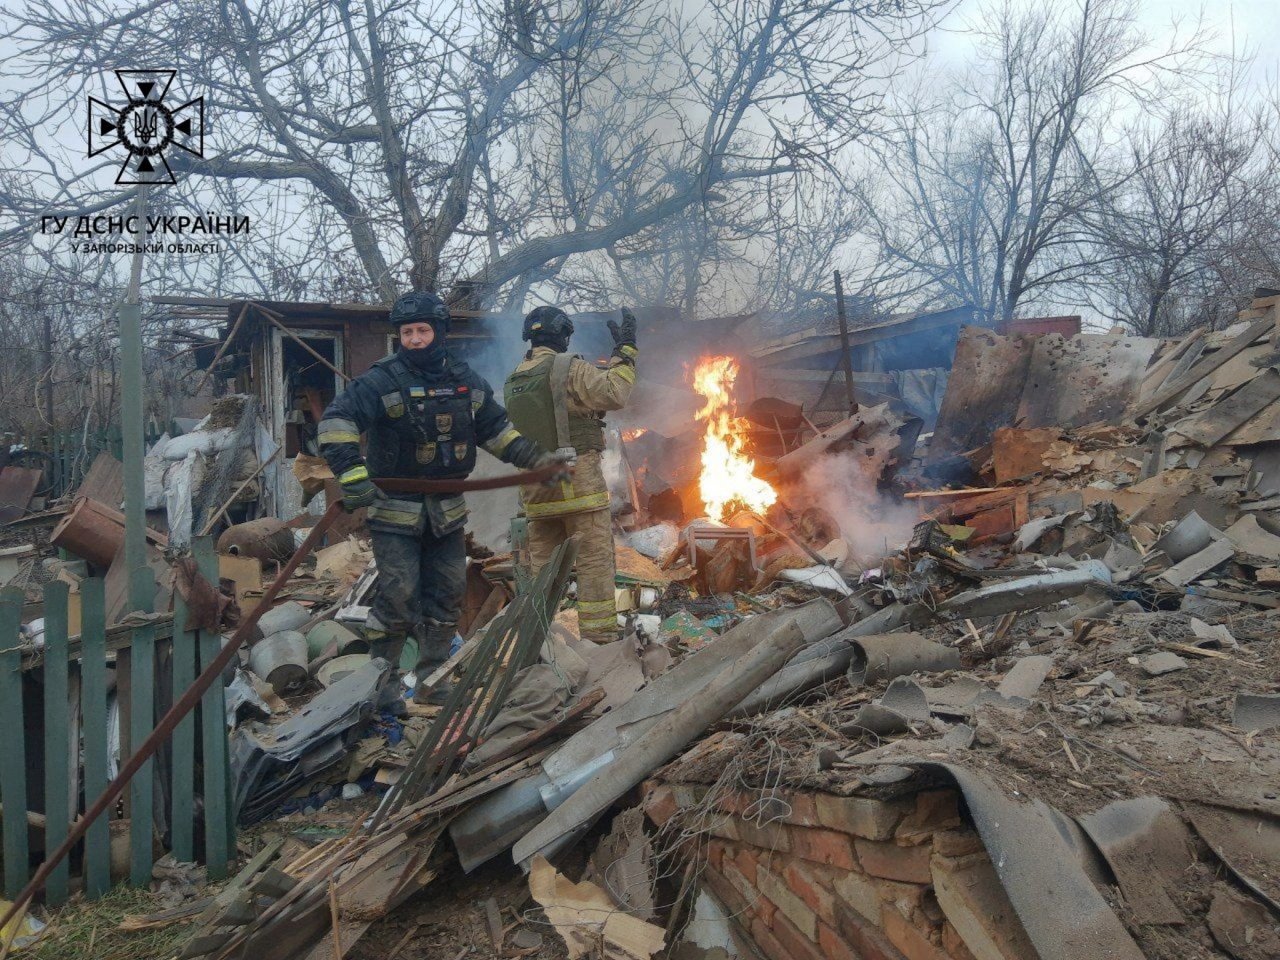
433	651
388	647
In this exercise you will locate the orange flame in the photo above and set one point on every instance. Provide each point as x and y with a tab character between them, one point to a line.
728	475
634	433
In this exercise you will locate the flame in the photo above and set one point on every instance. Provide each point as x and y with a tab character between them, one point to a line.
728	475
633	433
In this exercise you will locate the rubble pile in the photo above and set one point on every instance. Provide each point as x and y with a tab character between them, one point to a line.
1037	721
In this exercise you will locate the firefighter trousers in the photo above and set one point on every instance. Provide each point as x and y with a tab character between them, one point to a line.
597	617
420	581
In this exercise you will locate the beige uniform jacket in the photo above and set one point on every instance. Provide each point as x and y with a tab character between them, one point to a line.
590	389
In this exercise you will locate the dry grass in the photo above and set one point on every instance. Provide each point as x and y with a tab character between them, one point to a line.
84	929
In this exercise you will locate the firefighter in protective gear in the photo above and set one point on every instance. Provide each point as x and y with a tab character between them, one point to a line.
559	400
424	413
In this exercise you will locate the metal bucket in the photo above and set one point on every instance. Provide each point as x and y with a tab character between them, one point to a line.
287	616
281	660
339	667
327	632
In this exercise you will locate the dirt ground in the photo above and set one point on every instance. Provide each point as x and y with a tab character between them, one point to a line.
447	920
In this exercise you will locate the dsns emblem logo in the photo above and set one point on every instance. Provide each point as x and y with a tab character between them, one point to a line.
146	126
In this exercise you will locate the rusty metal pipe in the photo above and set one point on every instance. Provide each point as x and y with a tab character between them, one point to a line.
170	720
193	693
524	478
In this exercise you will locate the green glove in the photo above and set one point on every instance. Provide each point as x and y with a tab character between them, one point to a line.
358	490
624	336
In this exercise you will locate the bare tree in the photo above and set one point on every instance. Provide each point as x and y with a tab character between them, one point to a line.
471	146
1199	180
994	187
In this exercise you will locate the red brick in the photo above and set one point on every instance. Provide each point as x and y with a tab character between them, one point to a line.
888	860
957	843
725	891
735	801
833	947
930	911
798	946
769	945
688	794
865	937
860	892
824	846
660	804
804	810
934	810
862	816
803	880
954	944
790	905
910	942
745	861
715	852
746	889
772	835
765	909
907	897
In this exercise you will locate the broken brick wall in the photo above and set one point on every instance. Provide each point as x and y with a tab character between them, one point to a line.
814	875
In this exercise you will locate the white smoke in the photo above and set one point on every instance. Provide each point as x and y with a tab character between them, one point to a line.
873	523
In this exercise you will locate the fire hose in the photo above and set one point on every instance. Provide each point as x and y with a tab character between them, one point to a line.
187	702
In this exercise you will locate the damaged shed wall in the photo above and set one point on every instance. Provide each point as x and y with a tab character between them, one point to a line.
814	875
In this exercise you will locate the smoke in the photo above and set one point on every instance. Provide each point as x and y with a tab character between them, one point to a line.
873	523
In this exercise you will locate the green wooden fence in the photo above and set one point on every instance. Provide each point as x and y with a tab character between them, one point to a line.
70	453
42	772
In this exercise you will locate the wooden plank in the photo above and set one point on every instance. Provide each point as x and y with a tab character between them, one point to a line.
1210	426
119	637
57	786
1257	599
1205	367
142	788
93	710
218	838
13	761
124	704
105	481
1171	365
962	492
182	808
17	486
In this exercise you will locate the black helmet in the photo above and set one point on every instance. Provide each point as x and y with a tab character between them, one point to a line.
421	307
547	323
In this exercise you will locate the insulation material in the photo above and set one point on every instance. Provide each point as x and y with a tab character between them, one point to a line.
588	921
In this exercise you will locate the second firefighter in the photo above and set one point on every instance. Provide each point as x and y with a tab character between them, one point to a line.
559	400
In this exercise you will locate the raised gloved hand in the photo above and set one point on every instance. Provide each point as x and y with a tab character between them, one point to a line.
624	336
358	490
557	459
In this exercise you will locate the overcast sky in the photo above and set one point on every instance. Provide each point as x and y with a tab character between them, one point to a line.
1251	26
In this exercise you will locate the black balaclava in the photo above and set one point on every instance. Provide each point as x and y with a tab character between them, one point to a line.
426	308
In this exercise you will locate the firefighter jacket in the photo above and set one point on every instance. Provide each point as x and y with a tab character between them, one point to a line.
420	424
559	400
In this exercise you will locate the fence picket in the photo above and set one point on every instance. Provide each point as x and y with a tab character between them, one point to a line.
142	787
58	754
219	834
93	710
182	809
13	766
